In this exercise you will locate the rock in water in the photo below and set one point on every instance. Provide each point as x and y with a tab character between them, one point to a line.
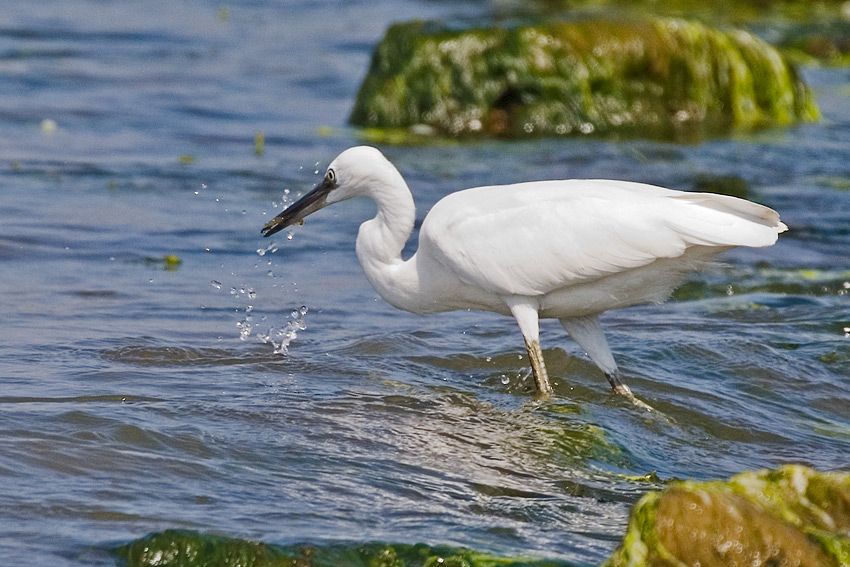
660	78
792	516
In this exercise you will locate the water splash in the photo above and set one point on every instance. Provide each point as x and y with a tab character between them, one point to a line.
245	328
281	338
271	248
245	325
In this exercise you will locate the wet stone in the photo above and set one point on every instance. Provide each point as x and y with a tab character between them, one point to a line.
793	516
658	78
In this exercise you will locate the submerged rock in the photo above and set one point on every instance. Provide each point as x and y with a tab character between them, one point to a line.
793	516
668	79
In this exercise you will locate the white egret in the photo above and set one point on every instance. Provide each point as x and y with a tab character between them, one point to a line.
567	250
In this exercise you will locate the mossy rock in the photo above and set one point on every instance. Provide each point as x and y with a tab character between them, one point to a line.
793	516
186	548
659	78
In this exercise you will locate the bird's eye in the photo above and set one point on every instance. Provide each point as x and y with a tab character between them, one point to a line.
331	176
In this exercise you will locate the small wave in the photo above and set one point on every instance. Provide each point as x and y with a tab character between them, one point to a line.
110	398
163	356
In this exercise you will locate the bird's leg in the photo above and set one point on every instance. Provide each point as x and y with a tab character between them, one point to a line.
538	367
587	332
618	385
622	389
524	311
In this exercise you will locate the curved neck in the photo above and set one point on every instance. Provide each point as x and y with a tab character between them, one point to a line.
380	242
383	238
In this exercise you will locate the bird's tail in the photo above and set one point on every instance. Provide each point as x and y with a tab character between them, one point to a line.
721	220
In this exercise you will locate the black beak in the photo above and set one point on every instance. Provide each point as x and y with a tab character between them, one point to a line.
309	203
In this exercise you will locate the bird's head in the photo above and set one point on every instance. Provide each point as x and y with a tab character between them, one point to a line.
354	173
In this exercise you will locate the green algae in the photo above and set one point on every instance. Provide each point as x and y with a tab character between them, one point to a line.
659	78
717	12
815	33
259	143
185	548
169	262
789	516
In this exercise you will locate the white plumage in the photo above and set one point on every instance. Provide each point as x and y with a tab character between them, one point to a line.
555	249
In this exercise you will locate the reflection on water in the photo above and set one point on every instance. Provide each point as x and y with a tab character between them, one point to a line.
130	404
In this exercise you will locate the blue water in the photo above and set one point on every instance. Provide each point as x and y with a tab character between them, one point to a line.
137	395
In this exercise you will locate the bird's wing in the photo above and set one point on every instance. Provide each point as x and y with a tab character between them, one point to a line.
533	238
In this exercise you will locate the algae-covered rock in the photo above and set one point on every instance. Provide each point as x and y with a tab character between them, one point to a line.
184	548
654	78
793	516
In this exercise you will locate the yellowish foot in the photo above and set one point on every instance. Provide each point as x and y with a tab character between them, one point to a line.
623	390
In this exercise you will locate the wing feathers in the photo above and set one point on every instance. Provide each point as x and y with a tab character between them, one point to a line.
534	238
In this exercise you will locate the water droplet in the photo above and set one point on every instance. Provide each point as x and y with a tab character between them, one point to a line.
290	331
489	359
271	248
216	284
251	293
504	379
